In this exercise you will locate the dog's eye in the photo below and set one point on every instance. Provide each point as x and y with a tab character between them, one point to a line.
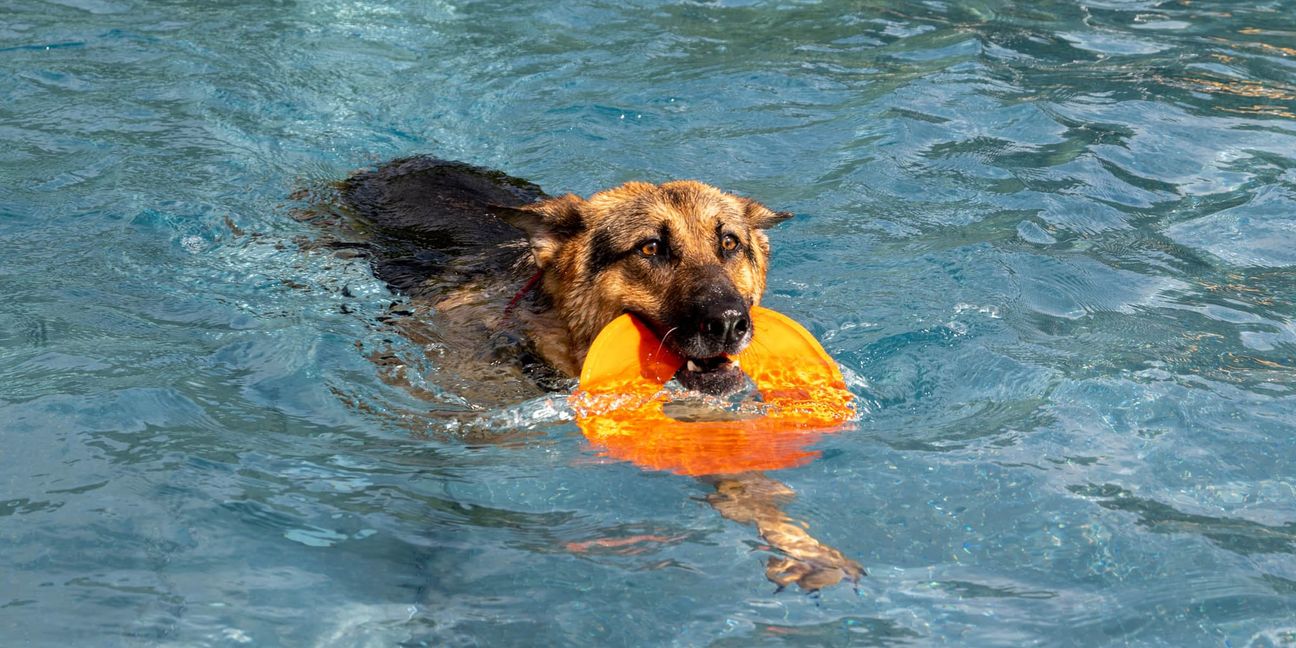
729	243
649	249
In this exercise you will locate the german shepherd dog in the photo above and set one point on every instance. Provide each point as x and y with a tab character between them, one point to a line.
517	284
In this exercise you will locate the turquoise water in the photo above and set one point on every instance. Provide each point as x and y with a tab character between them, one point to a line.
1052	244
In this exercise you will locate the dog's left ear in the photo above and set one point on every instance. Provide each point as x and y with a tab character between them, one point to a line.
762	217
547	224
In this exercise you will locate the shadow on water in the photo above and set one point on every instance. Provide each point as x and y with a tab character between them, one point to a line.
1237	535
844	631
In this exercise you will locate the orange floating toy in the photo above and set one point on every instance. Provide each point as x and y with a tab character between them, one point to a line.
622	407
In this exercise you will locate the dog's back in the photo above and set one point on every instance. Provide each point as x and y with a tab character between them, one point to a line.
428	229
422	218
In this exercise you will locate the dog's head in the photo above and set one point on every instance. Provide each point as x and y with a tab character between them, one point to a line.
686	258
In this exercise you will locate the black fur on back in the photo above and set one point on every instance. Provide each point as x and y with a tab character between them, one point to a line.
423	217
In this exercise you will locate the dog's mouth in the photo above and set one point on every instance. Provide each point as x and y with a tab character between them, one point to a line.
709	368
707	365
718	376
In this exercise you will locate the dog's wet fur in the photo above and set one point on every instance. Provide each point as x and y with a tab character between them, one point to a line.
508	287
687	259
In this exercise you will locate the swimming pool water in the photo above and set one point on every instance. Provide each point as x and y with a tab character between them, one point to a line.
1051	244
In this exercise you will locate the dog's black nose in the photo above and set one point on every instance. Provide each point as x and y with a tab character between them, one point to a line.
725	326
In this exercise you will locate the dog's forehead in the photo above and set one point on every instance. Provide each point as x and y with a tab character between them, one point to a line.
690	206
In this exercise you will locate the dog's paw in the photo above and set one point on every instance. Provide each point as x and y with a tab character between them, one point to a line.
784	571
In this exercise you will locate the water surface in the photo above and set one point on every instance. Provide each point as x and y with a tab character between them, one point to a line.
1050	243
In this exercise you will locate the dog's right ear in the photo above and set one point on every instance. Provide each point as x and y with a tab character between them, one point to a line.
547	224
762	217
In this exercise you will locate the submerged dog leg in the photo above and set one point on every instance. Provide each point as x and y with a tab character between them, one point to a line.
752	498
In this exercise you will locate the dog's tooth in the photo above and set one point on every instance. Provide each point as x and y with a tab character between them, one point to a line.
692	366
734	362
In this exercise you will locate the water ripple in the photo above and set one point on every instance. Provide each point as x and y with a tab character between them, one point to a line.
1049	242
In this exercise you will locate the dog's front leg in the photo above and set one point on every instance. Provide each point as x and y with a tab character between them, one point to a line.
753	498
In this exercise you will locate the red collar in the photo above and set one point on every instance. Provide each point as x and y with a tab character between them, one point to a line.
528	287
